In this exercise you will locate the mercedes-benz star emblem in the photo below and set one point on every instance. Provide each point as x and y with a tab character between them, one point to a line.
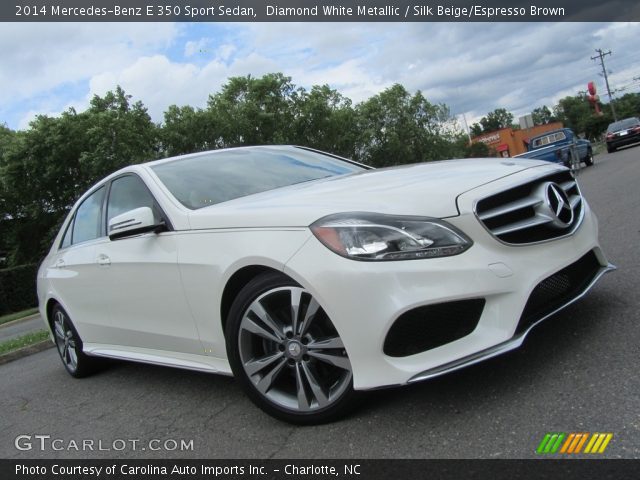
556	205
294	349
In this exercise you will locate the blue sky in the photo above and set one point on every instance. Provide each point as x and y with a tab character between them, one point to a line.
473	68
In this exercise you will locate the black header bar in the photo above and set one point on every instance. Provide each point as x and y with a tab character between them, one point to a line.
319	10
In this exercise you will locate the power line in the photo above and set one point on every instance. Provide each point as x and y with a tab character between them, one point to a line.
601	56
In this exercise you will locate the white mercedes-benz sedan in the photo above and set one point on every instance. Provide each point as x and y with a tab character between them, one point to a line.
310	277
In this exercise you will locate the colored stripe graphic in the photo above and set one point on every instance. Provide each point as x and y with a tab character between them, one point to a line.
543	443
568	442
598	443
550	443
581	443
591	442
573	443
556	445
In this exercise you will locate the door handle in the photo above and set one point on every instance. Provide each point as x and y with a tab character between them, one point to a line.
59	263
104	260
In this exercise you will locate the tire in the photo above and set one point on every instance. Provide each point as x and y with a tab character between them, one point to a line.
286	354
588	161
610	149
69	345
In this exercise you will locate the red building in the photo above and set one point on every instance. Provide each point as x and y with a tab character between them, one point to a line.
508	142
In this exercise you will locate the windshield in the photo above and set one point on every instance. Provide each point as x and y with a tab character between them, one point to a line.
216	177
622	124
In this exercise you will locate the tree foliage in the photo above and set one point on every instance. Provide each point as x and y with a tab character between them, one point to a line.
499	118
396	127
495	120
628	105
573	112
253	111
44	168
188	130
323	119
542	115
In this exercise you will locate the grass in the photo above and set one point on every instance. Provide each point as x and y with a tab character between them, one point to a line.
15	316
598	148
23	341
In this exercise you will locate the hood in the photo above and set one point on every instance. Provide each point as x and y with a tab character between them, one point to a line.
424	189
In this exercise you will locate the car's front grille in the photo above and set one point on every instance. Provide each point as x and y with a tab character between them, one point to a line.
431	326
533	212
559	289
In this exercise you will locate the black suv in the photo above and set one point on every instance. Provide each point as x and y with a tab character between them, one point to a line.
623	132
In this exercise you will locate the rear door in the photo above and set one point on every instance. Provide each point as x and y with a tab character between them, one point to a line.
73	272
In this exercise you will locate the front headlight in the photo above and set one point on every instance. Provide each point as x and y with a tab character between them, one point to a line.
374	236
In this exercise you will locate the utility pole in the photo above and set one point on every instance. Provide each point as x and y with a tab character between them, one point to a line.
601	56
466	127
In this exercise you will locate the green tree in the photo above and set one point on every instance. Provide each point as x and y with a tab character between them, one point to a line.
187	130
397	127
41	178
573	112
253	111
44	169
627	106
542	115
323	119
478	150
118	134
476	129
595	125
496	120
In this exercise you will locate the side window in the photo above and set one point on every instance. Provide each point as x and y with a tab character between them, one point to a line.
127	193
87	224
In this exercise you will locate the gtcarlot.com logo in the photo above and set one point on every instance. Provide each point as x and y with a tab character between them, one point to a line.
45	443
573	443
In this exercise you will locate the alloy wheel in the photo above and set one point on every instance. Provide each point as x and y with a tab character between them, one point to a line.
291	352
65	341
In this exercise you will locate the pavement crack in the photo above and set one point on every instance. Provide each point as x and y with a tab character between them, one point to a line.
24	406
284	443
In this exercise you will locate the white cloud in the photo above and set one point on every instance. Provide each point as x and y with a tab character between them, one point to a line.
471	68
39	57
193	47
158	82
225	51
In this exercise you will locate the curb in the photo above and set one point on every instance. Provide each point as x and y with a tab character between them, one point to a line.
18	320
26	351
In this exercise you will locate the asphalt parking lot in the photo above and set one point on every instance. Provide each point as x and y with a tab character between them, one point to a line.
577	372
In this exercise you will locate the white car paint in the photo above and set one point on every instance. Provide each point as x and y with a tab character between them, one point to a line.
158	300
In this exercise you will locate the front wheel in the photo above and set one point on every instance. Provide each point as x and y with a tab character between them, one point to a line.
286	353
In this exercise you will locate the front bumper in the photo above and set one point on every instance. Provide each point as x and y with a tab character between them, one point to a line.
511	344
364	299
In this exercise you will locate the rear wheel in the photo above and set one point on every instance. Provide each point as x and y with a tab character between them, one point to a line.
69	345
610	149
287	354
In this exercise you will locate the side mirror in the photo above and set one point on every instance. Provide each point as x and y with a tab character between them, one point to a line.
134	222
